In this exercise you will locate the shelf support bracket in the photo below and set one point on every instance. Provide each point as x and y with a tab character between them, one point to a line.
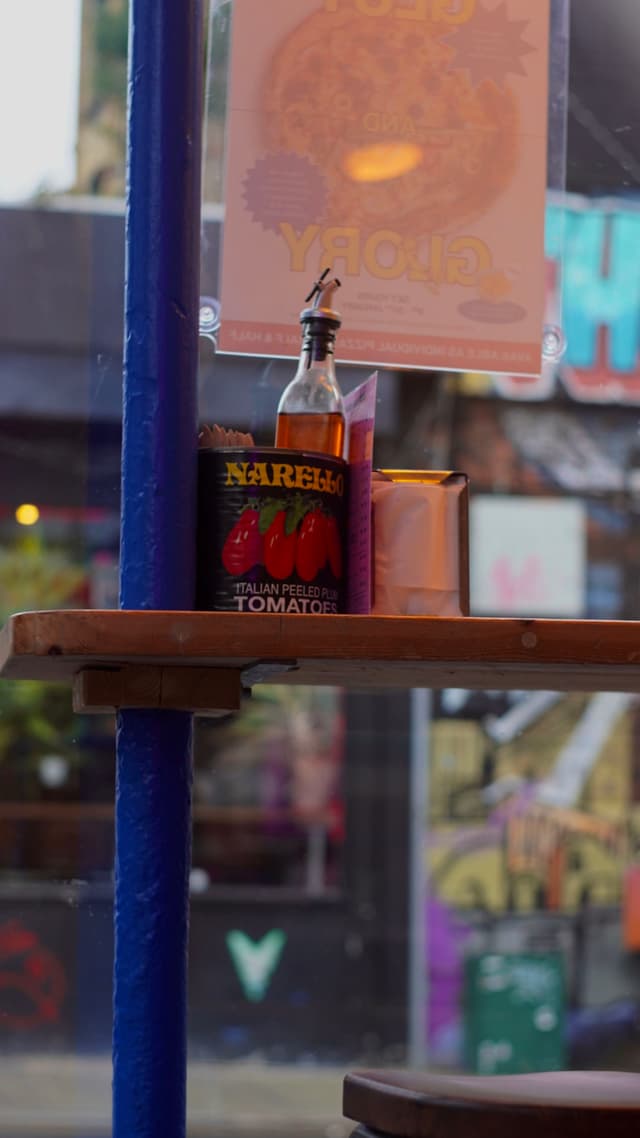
211	692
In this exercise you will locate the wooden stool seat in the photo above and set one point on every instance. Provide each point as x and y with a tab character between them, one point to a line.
572	1104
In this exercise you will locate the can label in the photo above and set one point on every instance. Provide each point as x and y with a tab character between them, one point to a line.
271	526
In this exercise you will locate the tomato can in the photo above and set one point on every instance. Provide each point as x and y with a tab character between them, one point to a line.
271	531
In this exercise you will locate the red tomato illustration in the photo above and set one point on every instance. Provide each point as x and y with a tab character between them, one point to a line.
279	549
311	551
243	546
335	548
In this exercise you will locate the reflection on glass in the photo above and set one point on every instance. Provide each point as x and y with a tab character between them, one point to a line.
271	782
382	161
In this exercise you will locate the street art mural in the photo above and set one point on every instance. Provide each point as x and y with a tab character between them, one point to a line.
532	814
526	806
593	297
255	961
33	983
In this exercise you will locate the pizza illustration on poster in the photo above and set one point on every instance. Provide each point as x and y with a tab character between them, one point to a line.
403	144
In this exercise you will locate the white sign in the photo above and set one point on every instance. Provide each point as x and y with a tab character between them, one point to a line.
528	557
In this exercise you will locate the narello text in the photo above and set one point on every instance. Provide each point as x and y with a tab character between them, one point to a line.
286	476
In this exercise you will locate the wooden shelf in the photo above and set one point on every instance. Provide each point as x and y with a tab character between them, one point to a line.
208	649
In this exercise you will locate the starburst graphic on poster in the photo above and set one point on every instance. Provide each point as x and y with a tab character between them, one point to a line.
491	46
285	185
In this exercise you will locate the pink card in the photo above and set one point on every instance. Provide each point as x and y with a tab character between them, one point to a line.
360	408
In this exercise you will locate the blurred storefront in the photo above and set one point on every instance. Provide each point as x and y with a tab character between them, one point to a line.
270	794
300	881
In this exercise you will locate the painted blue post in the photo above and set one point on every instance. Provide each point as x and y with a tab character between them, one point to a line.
154	765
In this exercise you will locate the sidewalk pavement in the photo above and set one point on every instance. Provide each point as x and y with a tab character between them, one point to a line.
51	1097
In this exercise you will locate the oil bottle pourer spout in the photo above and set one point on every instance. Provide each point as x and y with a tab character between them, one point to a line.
321	298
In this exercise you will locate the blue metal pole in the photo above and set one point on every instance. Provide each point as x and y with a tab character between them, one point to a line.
154	762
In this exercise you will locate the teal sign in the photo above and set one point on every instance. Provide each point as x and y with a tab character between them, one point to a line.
593	298
598	248
514	1013
255	961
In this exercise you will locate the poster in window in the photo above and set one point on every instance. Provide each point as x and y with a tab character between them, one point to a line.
403	144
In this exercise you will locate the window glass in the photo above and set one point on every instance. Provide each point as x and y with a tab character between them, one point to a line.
378	877
524	864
